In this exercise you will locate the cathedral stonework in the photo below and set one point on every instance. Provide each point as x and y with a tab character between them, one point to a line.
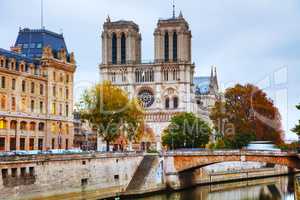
165	85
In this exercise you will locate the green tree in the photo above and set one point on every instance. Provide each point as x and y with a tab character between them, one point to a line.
296	129
186	131
110	112
246	114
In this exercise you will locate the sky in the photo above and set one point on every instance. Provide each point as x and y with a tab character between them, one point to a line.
250	41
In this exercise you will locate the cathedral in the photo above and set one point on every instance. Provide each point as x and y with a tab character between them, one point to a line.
166	86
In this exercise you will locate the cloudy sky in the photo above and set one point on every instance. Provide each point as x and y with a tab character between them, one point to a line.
255	41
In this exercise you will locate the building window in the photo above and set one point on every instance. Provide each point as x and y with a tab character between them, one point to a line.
60	92
175	47
41	126
114	48
40	144
23	171
22	143
113	77
67	93
3	102
2	124
14	172
31	171
13	84
31	144
12	144
41	89
123	49
41	106
61	78
67	110
166	47
175	74
175	102
67	78
2	144
2	63
23	125
13	125
53	109
13	104
54	91
54	76
166	75
60	109
67	144
167	103
53	143
3	82
32	126
23	86
32	105
32	87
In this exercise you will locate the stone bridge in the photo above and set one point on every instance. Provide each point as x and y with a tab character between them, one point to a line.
178	163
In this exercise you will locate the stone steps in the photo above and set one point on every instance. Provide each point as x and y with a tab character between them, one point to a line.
141	173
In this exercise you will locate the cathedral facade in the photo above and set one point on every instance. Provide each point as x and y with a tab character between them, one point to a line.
165	85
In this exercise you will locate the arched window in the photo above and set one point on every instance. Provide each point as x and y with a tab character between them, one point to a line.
23	125
175	102
3	82
114	49
41	126
123	49
174	46
13	125
167	103
166	47
32	126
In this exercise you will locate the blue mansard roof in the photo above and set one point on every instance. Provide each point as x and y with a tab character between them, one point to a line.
202	84
17	56
32	41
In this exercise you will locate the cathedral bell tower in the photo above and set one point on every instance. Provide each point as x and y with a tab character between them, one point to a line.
172	40
121	43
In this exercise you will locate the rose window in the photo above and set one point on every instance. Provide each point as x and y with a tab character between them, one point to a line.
146	97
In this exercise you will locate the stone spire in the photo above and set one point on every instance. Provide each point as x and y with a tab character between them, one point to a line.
108	19
180	15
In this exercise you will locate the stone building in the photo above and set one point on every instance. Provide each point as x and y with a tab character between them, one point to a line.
164	85
85	137
36	92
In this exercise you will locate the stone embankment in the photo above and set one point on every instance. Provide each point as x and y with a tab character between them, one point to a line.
95	176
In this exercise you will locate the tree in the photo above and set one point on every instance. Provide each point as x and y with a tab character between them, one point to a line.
246	114
186	131
296	129
110	112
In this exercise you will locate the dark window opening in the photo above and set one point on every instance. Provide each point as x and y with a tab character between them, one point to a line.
2	144
175	102
31	171
116	177
31	144
175	47
166	47
4	173
40	144
114	49
123	49
23	171
84	162
84	182
12	145
53	143
14	172
22	143
167	103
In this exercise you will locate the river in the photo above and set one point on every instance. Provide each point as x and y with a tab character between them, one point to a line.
275	188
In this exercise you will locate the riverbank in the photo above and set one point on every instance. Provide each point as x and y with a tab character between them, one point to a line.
215	179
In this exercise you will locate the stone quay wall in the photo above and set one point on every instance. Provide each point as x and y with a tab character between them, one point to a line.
66	176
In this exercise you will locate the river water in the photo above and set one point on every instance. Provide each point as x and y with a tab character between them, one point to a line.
275	188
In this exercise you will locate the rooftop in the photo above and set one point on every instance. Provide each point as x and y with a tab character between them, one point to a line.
32	41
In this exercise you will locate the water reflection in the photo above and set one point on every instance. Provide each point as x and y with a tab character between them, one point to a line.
276	188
